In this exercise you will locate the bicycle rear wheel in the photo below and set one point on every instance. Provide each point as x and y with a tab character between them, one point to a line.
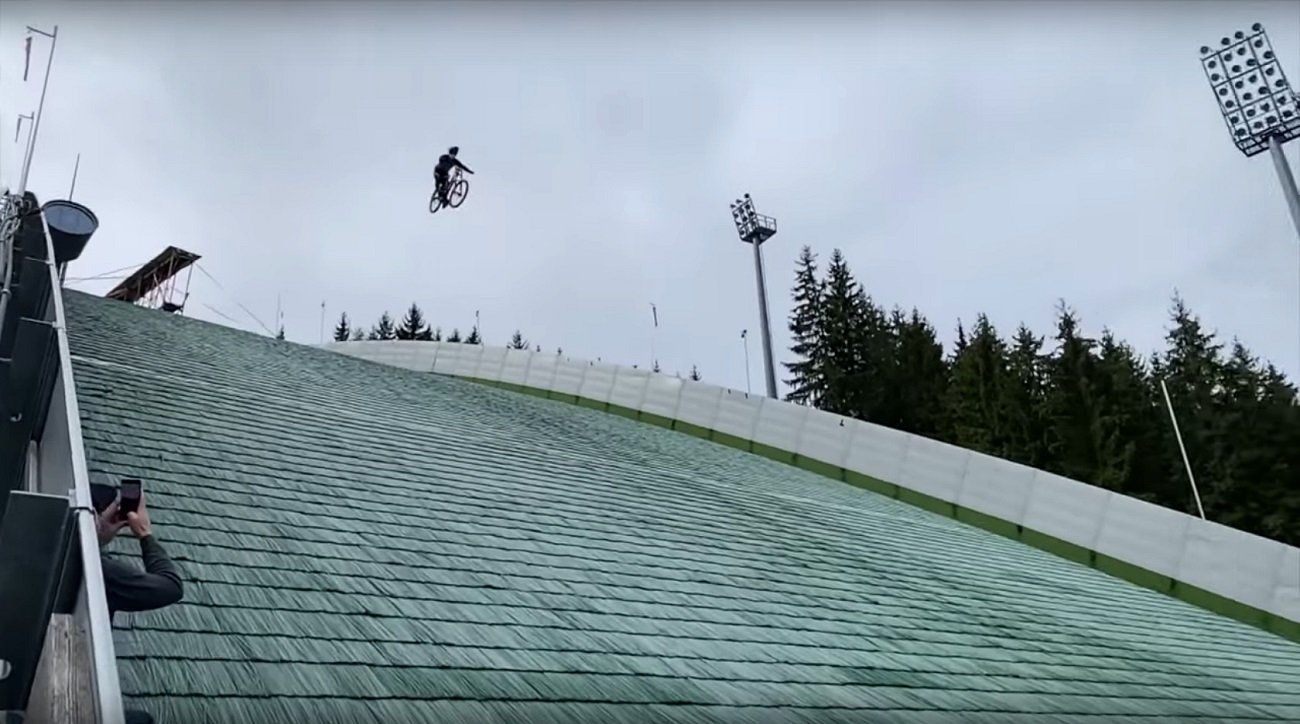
456	196
434	203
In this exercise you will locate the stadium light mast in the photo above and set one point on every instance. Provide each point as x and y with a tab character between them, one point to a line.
1255	100
1260	107
754	229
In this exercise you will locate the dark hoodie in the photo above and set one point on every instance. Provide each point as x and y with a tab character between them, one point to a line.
127	587
130	589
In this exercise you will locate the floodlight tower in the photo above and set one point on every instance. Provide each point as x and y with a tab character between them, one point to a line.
754	229
1259	106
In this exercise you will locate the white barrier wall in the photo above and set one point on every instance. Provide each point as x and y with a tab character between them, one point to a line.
1145	543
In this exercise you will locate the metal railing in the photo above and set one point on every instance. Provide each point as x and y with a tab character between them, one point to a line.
44	421
12	207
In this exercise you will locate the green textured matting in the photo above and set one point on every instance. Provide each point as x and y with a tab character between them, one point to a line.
1115	567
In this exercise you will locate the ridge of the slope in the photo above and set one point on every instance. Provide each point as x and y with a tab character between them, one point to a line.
366	542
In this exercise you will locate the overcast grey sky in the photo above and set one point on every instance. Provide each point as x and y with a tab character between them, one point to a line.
966	157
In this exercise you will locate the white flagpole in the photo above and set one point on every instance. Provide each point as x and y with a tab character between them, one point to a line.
1183	449
40	108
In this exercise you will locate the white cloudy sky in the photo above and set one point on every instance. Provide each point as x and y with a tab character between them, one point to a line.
966	157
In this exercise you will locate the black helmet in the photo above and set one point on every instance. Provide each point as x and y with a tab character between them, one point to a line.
454	150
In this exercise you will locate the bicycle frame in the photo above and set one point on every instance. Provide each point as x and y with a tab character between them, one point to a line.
452	179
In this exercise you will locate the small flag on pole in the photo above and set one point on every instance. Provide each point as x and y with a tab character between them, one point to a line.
655	311
27	63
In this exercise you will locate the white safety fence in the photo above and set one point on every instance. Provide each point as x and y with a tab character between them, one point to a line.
1238	566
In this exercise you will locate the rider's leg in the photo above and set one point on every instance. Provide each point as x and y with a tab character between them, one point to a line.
440	184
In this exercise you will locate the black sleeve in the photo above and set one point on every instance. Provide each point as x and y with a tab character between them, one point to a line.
458	163
130	589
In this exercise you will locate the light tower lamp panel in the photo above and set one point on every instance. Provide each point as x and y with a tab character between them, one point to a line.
1254	97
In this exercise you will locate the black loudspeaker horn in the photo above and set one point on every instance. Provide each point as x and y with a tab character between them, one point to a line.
71	226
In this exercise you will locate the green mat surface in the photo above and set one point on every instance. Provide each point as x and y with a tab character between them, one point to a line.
367	544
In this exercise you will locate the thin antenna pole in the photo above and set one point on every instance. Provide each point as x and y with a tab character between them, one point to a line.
18	127
40	108
322	321
478	326
188	276
744	337
76	167
654	312
1186	462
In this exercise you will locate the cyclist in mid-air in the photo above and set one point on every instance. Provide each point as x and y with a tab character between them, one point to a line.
446	163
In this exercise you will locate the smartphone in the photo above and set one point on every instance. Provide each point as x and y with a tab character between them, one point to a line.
131	489
102	495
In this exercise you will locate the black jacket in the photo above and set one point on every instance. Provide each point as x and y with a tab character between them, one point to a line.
446	163
130	589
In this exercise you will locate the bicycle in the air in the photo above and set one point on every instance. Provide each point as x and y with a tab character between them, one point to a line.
452	194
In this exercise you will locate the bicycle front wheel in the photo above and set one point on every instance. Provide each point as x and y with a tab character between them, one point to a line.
458	192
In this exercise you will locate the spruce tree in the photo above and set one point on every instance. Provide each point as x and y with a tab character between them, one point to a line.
959	344
973	407
413	325
838	338
517	341
916	376
873	362
1236	446
280	334
454	337
385	329
436	335
655	366
1024	399
358	334
1071	404
473	337
695	373
343	330
1128	420
1192	369
1259	485
806	382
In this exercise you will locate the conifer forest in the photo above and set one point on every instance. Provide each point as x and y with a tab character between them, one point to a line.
1084	407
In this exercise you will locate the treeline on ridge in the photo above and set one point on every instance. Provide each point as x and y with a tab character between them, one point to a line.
414	326
1088	408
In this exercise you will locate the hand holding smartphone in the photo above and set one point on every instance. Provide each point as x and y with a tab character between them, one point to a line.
132	490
